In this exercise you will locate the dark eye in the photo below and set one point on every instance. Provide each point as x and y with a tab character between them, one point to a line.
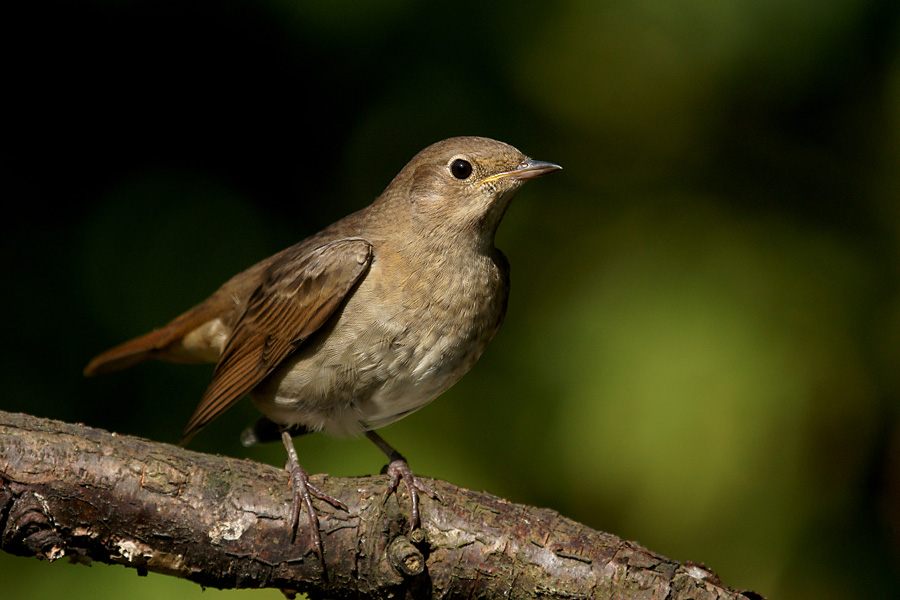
461	168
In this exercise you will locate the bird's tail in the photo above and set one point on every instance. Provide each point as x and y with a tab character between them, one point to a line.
166	343
130	353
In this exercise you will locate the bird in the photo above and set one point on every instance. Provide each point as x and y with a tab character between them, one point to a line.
362	323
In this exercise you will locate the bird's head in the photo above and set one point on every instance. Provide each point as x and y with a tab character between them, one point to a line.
461	187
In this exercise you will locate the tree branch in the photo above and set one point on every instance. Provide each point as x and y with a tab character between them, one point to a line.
69	490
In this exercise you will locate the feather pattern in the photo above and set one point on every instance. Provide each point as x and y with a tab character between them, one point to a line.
302	290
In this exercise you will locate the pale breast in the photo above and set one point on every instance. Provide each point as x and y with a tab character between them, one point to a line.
394	347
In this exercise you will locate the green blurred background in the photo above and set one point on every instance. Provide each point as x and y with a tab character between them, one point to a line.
702	344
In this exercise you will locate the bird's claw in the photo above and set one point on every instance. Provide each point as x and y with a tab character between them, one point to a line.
303	492
398	470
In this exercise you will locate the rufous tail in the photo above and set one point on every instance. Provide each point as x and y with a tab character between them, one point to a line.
130	353
164	343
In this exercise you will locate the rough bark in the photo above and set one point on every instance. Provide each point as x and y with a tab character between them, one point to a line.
69	490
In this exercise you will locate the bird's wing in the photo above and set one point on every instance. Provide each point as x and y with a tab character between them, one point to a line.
300	293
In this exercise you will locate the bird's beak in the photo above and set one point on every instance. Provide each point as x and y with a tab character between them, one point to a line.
527	169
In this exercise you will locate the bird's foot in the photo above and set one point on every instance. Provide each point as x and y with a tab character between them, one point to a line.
303	492
398	470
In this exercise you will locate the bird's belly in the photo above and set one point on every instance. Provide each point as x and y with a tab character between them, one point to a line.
384	382
438	362
349	382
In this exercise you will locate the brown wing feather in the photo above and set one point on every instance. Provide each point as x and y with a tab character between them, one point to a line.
301	292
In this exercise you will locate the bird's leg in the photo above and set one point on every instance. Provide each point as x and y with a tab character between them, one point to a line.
303	492
399	469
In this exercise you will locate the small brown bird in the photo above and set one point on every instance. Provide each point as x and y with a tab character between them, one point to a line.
362	323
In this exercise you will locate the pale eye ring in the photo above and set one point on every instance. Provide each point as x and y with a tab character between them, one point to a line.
460	168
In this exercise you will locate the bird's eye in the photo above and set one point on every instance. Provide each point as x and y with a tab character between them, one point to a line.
460	168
